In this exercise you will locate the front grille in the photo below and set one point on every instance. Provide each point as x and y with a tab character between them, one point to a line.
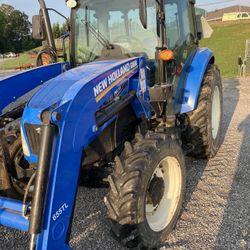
33	134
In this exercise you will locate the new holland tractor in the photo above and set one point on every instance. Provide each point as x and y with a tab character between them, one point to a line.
136	96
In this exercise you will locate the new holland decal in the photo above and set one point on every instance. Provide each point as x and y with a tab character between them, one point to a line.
116	77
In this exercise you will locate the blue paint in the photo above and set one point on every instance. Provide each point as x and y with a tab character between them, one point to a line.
72	95
15	86
66	87
182	83
10	204
60	88
194	79
33	116
13	220
10	214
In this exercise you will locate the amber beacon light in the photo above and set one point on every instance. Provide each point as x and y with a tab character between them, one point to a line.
166	55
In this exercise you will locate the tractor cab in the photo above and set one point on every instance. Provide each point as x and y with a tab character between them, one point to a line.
114	29
163	32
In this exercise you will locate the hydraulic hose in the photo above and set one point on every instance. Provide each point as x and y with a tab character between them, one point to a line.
50	52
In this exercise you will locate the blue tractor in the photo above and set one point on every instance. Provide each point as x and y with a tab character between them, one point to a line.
136	95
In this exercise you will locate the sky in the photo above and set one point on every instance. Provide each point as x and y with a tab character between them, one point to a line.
31	7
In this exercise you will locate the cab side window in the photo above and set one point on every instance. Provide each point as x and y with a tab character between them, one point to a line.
172	24
179	23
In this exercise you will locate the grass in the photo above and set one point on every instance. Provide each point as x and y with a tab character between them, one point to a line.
13	63
25	58
228	43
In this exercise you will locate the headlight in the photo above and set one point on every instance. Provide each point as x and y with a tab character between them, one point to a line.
24	144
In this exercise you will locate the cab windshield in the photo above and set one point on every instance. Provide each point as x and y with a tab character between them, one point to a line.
103	23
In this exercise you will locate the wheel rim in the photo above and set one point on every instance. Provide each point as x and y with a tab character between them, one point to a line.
216	112
163	194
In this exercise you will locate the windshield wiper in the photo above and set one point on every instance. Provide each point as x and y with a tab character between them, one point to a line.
98	35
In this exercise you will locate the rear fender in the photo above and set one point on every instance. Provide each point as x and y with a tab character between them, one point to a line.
13	87
195	74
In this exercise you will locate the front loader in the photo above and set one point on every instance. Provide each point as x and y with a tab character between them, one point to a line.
137	95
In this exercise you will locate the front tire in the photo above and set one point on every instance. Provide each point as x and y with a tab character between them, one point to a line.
146	191
18	187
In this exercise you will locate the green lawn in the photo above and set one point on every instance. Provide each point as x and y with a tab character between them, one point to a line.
13	63
26	58
228	43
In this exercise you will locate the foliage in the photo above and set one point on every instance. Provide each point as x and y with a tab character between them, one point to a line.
64	27
56	30
59	30
15	29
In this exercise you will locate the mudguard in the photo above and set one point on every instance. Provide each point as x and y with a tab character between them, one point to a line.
195	73
15	86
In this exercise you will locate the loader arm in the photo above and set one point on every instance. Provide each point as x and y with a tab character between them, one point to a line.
88	100
23	82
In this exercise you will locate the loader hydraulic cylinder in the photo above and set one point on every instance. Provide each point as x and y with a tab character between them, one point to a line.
41	179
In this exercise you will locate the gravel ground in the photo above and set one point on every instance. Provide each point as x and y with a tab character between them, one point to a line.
216	210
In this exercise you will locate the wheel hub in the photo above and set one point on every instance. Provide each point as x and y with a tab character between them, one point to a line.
155	191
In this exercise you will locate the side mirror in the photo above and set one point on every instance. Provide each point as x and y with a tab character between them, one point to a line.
143	13
37	28
204	30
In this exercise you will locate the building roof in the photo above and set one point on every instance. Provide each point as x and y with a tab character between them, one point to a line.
218	14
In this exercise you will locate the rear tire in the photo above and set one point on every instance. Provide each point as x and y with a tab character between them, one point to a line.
146	191
204	123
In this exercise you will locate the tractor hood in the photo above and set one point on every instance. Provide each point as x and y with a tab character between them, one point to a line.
84	89
57	90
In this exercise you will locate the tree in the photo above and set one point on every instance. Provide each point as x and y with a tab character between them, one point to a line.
15	29
18	29
64	27
3	24
56	30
